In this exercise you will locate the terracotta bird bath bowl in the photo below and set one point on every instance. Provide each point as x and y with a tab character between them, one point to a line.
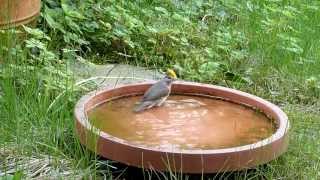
200	128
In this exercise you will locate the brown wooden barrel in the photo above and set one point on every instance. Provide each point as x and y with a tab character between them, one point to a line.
17	12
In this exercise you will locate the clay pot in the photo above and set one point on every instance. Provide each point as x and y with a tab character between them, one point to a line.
186	161
17	12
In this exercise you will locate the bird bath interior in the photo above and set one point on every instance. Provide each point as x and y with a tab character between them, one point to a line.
199	129
183	122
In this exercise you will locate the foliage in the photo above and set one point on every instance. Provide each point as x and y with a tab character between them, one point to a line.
204	40
150	33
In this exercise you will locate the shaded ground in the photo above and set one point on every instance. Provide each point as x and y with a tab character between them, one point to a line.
115	74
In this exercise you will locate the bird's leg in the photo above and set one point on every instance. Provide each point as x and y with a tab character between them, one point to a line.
160	102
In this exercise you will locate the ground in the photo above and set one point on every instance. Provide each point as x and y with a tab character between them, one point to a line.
267	48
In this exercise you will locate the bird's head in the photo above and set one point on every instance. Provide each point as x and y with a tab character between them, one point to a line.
171	74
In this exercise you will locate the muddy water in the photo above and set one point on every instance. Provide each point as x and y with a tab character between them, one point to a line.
183	122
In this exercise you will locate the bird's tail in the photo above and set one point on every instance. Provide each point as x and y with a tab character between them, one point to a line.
142	106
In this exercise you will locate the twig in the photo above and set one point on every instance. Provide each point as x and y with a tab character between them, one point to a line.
205	17
125	55
82	82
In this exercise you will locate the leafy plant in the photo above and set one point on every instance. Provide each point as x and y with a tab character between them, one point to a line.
160	35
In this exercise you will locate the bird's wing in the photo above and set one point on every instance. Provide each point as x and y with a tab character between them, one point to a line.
143	106
156	91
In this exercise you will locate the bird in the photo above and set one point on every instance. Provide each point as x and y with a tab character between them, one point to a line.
157	93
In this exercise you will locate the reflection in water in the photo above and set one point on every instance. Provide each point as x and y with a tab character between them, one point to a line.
183	122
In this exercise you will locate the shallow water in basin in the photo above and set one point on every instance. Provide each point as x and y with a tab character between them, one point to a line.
183	122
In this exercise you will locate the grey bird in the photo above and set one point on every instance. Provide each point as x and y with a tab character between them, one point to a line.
157	93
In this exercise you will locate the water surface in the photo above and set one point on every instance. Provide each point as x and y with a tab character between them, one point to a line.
183	122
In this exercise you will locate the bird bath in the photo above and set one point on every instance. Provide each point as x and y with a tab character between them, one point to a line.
200	128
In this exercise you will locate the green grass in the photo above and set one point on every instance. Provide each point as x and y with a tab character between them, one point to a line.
270	49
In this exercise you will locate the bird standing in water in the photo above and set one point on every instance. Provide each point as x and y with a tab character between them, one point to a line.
157	93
